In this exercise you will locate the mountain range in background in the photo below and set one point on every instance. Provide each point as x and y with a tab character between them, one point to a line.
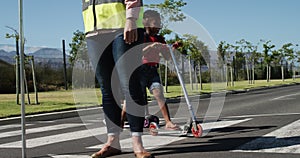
51	56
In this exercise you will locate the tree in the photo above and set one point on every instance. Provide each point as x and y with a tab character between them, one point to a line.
298	56
267	47
226	56
253	56
290	55
78	47
245	45
221	56
281	54
170	10
197	52
79	58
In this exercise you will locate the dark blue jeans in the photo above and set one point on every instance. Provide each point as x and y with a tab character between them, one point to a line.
117	69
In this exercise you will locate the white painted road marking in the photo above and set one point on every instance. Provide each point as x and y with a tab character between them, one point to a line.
283	140
69	156
12	126
40	129
262	115
153	142
36	142
285	96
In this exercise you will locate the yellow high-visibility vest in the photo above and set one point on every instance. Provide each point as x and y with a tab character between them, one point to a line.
106	14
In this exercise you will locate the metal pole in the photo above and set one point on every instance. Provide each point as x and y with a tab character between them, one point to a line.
23	121
65	65
17	77
17	68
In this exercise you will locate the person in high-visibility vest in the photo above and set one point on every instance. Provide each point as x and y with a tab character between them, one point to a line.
114	35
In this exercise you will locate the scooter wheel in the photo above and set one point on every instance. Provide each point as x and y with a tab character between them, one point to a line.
198	131
153	129
149	119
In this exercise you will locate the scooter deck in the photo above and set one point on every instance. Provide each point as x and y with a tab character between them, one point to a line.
155	130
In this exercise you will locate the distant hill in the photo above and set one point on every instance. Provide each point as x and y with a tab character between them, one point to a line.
47	53
12	48
49	56
7	56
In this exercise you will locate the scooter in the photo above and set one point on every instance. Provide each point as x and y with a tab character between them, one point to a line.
192	126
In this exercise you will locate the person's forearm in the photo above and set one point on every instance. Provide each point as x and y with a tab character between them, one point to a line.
133	8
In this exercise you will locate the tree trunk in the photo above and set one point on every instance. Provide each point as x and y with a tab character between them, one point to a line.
195	78
200	77
247	71
253	73
182	68
282	73
34	82
231	76
190	75
26	88
226	75
269	73
294	74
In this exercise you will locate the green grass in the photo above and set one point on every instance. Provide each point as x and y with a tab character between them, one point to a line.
63	100
48	102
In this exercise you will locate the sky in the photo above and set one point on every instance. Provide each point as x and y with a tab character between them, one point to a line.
48	22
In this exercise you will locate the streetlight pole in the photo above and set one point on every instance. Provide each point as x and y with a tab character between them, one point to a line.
23	121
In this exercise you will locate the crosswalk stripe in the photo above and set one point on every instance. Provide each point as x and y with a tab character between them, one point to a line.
12	126
282	140
152	142
70	156
36	142
40	129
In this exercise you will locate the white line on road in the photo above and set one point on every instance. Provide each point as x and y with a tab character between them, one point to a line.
153	142
69	156
13	126
36	142
262	115
285	96
40	129
283	140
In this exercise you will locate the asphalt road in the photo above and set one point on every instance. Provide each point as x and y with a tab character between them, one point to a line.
260	124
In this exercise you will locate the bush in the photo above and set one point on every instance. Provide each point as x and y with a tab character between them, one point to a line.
7	79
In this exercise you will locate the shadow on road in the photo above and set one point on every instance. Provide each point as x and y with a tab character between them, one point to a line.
227	139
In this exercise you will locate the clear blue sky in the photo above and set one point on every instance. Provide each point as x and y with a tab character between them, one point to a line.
47	22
